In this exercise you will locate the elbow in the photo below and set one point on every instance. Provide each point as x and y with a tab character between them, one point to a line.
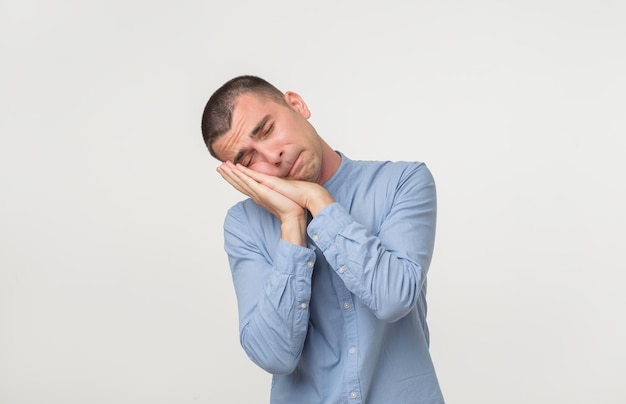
274	364
393	311
277	367
270	356
400	298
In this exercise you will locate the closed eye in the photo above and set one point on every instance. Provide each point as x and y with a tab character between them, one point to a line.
248	159
262	130
267	131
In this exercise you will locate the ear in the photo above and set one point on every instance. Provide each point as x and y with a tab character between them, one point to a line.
297	103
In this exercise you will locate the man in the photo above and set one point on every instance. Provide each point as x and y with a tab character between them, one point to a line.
328	256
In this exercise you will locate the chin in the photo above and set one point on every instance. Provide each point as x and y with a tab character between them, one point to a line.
309	178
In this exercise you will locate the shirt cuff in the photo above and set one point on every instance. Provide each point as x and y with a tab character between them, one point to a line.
294	259
327	224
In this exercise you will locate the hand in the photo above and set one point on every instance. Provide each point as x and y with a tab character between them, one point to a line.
292	216
279	205
308	195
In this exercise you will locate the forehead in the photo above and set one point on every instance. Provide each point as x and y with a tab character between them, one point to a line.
249	109
247	105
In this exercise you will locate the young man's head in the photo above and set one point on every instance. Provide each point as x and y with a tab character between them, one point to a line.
249	121
217	116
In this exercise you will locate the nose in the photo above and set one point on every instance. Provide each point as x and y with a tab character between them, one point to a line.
271	153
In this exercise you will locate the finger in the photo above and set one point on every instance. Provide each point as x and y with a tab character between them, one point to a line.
246	184
251	178
235	179
291	189
269	180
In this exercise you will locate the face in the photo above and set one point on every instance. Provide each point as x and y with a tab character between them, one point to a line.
272	138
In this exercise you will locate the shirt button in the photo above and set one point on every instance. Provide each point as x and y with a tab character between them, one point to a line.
341	270
346	305
303	306
309	264
352	351
316	237
353	395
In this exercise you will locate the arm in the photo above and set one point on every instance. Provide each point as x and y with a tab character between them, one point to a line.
385	271
273	292
291	215
272	295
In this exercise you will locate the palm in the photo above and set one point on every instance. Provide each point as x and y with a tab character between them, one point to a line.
274	202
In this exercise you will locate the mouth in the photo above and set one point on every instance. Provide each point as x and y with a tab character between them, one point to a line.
294	167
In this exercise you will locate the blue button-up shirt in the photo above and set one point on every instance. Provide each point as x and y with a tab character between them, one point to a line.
342	320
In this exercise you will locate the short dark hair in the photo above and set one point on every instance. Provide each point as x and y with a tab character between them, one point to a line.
217	116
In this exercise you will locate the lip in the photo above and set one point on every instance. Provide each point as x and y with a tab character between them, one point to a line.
293	167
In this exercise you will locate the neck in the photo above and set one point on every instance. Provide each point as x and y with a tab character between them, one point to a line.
330	163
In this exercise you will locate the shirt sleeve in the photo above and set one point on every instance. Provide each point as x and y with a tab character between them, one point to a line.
385	271
273	296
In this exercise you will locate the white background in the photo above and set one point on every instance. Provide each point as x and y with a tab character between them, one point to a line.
114	287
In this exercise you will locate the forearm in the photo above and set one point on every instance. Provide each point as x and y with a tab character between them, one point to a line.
274	332
273	294
384	265
387	282
293	230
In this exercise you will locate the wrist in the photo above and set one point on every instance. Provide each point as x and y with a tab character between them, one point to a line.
293	229
320	202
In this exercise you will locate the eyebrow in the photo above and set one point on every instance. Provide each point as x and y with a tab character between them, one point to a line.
257	128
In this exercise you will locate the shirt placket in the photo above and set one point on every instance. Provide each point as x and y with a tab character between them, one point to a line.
352	388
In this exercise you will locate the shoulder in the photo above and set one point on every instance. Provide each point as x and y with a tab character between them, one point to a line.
246	212
248	221
392	171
